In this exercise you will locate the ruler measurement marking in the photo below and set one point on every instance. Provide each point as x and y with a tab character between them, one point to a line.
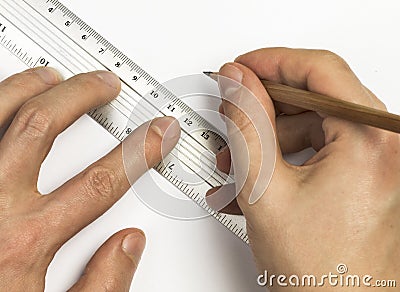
45	50
33	41
126	103
69	47
51	46
151	79
103	121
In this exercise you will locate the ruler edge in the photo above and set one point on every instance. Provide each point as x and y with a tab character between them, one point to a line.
118	53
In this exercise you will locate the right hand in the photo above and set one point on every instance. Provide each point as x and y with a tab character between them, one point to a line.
343	204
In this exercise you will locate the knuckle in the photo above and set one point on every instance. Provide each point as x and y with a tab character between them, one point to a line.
152	145
100	182
376	140
18	80
243	129
331	58
111	284
378	156
21	82
373	148
34	119
31	238
34	232
238	119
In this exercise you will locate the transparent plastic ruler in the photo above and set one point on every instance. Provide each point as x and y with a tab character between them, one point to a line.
46	33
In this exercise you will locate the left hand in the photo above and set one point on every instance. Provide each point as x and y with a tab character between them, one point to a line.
37	106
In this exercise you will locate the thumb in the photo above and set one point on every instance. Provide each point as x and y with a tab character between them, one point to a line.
114	264
250	118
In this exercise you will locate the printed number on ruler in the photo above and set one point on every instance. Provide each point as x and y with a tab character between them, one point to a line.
46	33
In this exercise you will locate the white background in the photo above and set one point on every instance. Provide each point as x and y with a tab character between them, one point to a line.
174	38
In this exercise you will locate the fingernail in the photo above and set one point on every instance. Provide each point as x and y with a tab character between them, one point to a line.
133	246
169	130
109	78
232	72
49	75
230	82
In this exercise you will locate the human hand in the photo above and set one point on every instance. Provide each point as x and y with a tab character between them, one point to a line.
342	205
35	106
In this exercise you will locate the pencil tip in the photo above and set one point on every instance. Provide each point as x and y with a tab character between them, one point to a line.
208	73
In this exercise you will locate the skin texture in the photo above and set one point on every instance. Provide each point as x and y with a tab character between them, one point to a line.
35	107
342	205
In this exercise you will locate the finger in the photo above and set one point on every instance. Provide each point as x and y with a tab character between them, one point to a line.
295	133
92	192
301	131
42	118
318	71
113	265
17	89
287	109
224	160
232	208
315	70
253	162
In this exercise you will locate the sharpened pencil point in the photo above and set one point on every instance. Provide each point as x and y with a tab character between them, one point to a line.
212	75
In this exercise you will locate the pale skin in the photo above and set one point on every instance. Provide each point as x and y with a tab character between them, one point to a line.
340	206
33	227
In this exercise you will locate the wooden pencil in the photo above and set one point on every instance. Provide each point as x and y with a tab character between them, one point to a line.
328	105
